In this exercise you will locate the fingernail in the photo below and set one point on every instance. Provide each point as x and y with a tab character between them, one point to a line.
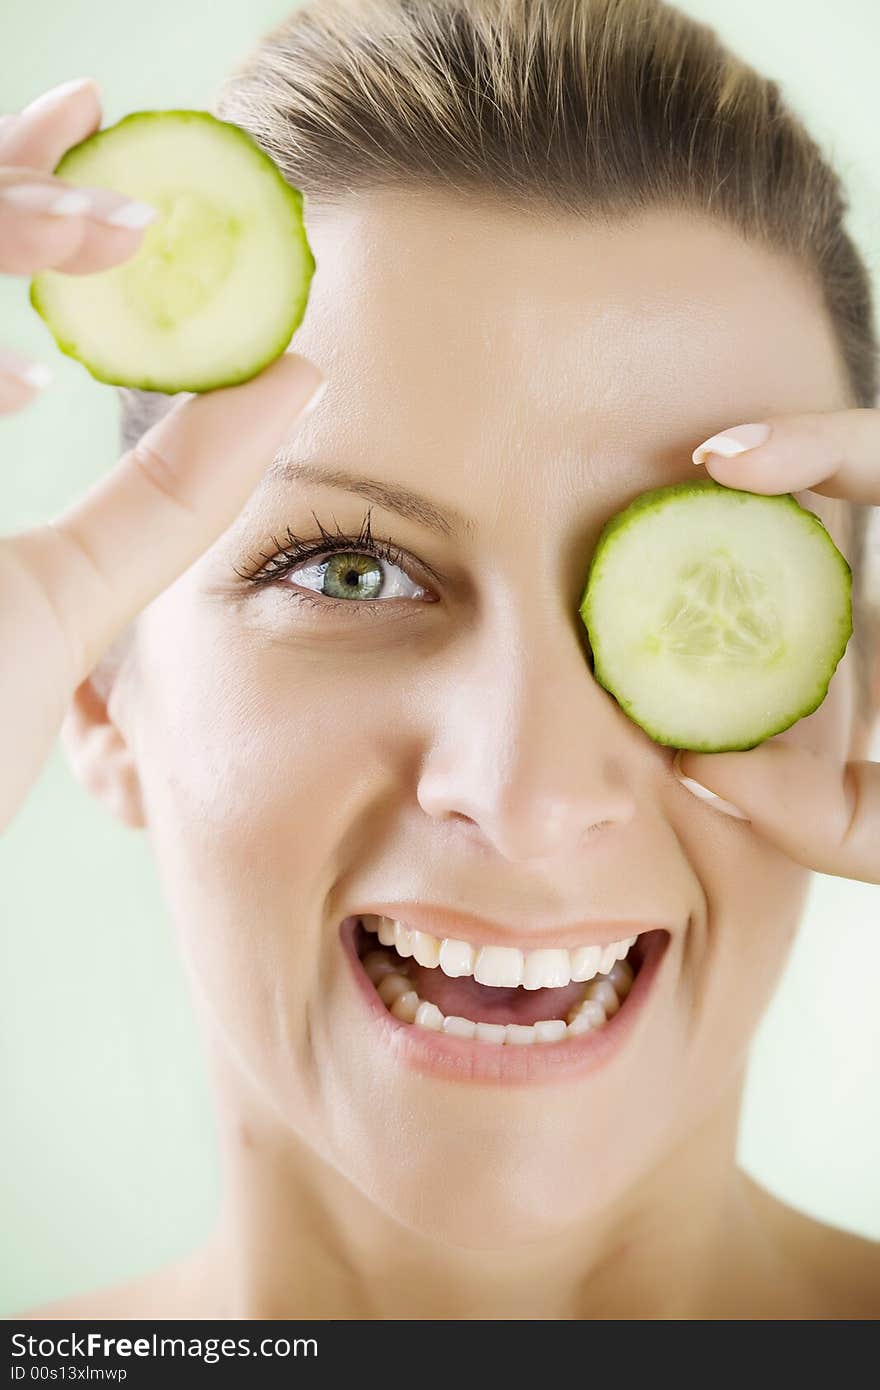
130	214
77	202
44	197
35	374
733	441
59	93
716	802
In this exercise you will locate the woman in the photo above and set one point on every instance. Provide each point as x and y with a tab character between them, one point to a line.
558	245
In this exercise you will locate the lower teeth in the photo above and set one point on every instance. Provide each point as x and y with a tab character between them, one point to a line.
603	996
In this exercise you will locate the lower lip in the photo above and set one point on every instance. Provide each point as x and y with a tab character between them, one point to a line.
439	1054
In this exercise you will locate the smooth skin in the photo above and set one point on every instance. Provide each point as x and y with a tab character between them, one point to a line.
532	376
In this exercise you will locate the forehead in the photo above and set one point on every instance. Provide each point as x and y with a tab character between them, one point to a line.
485	337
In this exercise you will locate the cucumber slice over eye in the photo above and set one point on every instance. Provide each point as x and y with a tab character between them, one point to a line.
221	279
716	616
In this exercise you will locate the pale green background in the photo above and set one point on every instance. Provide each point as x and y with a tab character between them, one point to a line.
110	1163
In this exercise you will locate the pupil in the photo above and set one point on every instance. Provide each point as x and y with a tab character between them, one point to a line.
347	580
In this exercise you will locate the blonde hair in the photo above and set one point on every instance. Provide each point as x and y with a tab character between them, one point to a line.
602	108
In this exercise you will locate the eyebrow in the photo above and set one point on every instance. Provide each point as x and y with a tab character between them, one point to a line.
446	521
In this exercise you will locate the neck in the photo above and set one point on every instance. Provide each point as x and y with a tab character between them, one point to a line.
296	1239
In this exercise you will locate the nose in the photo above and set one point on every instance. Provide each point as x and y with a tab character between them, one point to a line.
530	749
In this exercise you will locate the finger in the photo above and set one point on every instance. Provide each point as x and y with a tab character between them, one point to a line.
821	813
20	380
76	242
836	453
103	559
50	125
50	224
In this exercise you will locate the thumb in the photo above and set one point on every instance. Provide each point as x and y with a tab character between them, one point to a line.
822	813
169	497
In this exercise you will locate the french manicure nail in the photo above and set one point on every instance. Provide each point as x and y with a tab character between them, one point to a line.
35	374
733	441
130	214
78	202
44	197
716	802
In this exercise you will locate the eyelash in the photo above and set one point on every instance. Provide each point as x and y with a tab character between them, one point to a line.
297	551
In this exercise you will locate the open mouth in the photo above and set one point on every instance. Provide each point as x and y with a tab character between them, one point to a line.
496	995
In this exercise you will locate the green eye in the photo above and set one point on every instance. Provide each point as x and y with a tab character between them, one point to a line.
356	574
348	575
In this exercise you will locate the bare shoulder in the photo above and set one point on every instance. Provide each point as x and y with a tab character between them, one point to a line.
840	1271
846	1269
169	1292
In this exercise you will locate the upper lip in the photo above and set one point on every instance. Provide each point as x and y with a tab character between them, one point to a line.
461	925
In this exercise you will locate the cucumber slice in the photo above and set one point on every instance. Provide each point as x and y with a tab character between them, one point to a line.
221	280
716	616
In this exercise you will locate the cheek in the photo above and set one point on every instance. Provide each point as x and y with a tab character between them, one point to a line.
257	761
255	751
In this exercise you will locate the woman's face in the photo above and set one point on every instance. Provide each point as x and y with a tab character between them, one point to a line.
304	759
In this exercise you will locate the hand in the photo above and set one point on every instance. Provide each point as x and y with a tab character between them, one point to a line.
70	586
40	226
822	814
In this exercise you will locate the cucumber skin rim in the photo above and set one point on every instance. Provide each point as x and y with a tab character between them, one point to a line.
294	196
669	493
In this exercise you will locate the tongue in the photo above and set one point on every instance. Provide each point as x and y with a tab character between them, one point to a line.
466	998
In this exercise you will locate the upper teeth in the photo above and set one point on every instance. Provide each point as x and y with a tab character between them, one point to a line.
499	965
